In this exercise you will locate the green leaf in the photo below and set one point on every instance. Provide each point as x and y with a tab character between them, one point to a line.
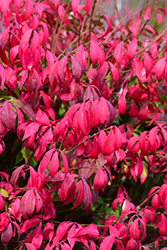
4	193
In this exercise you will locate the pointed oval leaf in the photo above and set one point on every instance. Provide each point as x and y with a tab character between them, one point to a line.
8	116
107	243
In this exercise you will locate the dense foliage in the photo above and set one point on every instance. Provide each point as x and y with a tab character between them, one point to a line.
83	134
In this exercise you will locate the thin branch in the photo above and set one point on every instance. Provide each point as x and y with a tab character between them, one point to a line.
153	41
117	26
116	7
141	20
61	24
73	148
91	15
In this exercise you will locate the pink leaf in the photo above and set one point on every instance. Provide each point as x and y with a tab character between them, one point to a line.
159	68
80	195
119	52
152	140
75	4
30	130
61	12
100	180
7	234
42	118
96	53
61	68
76	68
122	103
8	116
65	162
88	5
107	243
2	76
103	110
114	71
45	160
109	145
27	204
91	230
87	193
108	26
132	47
61	231
148	63
26	108
30	246
54	164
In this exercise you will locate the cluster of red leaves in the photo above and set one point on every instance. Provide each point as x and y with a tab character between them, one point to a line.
49	64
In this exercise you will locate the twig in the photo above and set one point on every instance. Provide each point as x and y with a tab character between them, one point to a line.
117	26
73	148
61	24
141	20
91	15
153	41
116	7
155	8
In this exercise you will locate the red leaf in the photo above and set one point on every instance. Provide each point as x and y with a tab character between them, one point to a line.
65	162
107	243
61	12
132	245
132	47
109	145
27	204
26	225
45	160
96	53
61	231
25	40
67	191
80	195
143	143
30	246
156	202
103	110
133	110
76	68
88	5
91	230
7	234
30	130
8	116
159	68
28	9
122	103
119	52
61	68
54	164
82	119
26	108
148	63
2	76
152	139
75	4
101	141
134	229
100	180
114	71
118	138
42	118
108	26
87	193
34	42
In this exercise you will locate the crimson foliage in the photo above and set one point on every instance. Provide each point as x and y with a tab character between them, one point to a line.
83	134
